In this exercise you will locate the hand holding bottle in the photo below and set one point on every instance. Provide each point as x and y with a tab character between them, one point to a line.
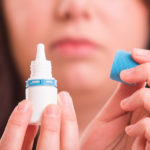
59	129
129	105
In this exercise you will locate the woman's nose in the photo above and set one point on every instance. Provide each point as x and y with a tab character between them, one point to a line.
72	9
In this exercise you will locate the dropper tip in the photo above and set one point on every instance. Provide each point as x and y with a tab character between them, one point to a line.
40	46
40	55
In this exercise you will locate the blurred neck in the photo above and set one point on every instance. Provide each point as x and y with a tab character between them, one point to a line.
88	104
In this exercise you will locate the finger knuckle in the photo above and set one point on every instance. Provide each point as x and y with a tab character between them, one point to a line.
147	68
142	94
71	117
51	129
15	122
51	125
147	131
145	121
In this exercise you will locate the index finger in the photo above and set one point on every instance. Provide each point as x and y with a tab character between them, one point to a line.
15	130
141	55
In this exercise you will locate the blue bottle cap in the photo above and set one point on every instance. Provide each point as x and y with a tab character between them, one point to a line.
122	61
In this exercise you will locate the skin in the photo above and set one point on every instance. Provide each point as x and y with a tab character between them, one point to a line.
49	138
30	23
115	116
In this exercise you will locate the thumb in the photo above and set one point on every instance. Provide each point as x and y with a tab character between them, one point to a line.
112	108
110	118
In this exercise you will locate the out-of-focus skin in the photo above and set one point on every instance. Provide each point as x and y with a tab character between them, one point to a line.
129	105
81	39
109	25
123	123
94	28
19	136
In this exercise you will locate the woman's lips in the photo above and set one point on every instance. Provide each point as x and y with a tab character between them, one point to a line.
74	48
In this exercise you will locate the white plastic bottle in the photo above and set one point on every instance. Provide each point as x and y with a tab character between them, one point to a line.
41	87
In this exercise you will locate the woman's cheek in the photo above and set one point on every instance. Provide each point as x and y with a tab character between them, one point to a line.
126	20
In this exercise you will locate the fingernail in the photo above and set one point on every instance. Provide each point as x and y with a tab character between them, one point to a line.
23	106
128	71
125	102
65	98
52	110
140	52
129	128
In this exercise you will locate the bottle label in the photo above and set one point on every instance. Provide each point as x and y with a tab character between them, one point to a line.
41	82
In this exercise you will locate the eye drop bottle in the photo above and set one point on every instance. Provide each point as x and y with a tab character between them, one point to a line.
41	87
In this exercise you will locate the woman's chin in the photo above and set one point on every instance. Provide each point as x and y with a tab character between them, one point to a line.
80	83
81	77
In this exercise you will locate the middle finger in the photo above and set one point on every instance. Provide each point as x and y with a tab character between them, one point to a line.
50	129
137	74
140	98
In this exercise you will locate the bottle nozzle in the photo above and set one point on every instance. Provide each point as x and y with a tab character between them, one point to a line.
40	67
40	55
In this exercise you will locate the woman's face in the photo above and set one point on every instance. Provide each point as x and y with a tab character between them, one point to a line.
81	36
